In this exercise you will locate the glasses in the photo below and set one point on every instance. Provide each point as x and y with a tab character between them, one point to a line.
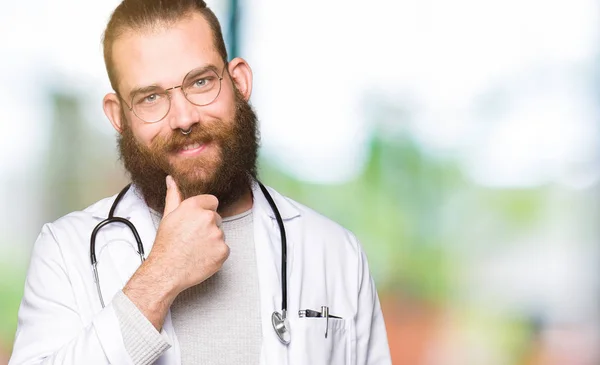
201	86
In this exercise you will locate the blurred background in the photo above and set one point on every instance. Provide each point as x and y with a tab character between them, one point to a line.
458	139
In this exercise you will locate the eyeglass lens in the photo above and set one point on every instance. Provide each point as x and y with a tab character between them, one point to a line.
200	87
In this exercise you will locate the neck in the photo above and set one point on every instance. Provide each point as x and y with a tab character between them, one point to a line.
239	206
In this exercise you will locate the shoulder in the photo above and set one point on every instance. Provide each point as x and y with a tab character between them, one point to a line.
321	229
318	220
64	243
73	226
317	238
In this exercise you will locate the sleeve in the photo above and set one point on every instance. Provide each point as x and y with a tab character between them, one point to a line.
142	341
371	337
50	329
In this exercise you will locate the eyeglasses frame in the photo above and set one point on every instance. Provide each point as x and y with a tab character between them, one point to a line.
184	95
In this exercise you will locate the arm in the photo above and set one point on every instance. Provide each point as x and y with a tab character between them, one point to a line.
50	329
371	337
143	342
143	304
189	248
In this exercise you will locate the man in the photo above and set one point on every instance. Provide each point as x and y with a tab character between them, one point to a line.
211	289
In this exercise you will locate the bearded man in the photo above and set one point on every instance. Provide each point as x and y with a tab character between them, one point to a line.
228	271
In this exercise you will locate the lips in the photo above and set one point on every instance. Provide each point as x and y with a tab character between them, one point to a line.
189	145
192	146
192	149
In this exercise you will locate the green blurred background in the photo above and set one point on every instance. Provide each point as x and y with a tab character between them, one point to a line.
458	139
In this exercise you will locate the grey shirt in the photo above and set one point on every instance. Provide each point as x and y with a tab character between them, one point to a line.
217	321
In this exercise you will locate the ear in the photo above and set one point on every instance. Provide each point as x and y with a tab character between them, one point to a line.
241	74
112	109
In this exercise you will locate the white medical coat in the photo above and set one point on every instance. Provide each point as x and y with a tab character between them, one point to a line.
61	320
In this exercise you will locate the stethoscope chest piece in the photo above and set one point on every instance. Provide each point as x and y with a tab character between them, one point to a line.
281	327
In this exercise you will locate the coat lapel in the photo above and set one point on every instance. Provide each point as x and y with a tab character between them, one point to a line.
267	242
118	259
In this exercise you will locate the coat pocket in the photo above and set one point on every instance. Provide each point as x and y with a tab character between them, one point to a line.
309	346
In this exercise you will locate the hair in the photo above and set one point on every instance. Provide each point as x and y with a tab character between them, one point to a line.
144	15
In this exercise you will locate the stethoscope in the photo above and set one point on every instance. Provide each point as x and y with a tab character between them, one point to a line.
279	320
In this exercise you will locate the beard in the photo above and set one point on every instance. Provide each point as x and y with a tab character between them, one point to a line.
228	176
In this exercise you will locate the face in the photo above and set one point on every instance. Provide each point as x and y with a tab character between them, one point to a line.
219	155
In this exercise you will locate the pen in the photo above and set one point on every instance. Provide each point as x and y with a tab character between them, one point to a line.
309	313
324	313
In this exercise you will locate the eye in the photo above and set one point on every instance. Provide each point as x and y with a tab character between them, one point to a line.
150	98
201	82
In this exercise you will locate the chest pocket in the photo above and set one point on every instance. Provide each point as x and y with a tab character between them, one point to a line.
309	345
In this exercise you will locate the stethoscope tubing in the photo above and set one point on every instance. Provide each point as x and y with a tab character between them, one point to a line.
112	219
283	248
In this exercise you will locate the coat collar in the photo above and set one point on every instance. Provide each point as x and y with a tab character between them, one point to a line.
130	202
286	208
133	205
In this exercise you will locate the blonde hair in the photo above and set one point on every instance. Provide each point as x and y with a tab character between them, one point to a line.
143	15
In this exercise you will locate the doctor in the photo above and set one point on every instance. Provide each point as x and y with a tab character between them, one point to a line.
212	278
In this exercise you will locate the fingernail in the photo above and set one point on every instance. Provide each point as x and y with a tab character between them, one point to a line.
169	182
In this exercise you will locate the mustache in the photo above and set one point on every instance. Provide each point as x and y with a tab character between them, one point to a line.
235	137
175	141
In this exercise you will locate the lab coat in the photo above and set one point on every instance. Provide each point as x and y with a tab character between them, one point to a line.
61	320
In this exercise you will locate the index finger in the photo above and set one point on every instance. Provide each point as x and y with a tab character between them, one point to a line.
205	201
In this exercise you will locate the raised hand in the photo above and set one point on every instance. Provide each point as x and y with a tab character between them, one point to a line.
188	249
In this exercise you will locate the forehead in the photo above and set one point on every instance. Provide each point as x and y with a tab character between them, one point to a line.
164	55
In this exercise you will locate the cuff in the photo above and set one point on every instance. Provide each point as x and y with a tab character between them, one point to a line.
142	341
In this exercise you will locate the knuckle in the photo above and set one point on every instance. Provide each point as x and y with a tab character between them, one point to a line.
214	218
206	216
207	201
225	251
200	201
188	203
211	201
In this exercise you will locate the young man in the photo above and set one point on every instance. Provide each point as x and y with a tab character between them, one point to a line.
216	276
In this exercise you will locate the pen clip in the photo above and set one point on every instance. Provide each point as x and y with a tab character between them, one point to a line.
325	313
308	313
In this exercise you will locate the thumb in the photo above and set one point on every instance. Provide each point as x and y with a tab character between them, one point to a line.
173	198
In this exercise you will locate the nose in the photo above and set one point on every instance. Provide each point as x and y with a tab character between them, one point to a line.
183	114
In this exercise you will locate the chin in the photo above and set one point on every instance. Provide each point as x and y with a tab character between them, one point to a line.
198	176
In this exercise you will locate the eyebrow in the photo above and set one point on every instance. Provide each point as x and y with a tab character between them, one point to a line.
144	89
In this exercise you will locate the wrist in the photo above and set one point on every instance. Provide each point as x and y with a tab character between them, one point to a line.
152	291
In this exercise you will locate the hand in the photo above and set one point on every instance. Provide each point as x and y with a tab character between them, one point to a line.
189	245
188	249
